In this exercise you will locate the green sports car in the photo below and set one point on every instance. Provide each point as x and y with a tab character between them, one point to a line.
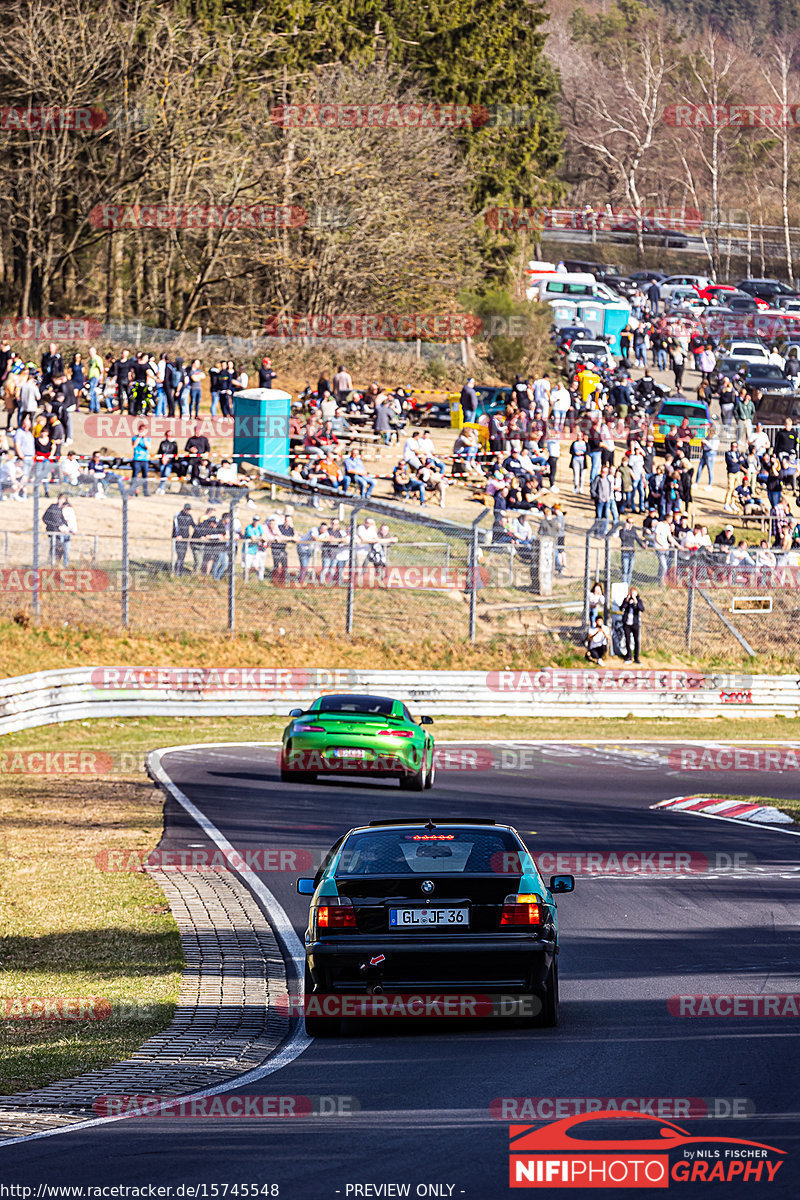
363	735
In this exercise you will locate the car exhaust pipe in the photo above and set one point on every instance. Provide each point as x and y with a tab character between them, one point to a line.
375	990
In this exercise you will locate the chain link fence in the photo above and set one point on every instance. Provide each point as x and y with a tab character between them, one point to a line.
697	602
271	561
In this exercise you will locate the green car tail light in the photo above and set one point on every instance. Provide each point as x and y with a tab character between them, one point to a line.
524	908
309	729
337	913
395	733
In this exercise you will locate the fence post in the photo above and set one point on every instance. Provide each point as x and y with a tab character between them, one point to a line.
690	608
232	571
35	598
125	557
587	571
607	580
351	577
473	576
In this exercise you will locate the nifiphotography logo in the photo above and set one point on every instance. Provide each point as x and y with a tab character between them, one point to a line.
574	1153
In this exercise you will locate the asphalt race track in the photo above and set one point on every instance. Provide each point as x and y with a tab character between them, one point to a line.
425	1090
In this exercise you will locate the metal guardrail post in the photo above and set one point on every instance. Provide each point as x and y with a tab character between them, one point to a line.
690	608
607	579
35	597
587	571
473	576
126	616
232	571
351	576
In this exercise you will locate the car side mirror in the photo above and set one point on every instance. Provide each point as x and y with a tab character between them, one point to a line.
306	887
295	712
426	720
562	883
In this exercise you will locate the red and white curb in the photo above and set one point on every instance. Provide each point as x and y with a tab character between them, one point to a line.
732	810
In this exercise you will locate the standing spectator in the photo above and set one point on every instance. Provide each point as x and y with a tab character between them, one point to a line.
183	527
632	608
225	381
305	547
213	383
78	376
141	458
223	558
167	453
654	297
602	492
678	361
663	541
383	425
196	377
52	364
577	461
65	402
734	465
255	548
29	397
342	385
553	447
708	453
96	373
469	401
707	362
561	402
59	521
628	539
25	450
122	374
204	543
266	374
636	460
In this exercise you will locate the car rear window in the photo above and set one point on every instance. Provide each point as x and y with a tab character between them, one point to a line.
376	705
420	852
671	409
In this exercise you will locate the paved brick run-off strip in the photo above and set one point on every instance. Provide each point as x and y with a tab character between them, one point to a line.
228	1020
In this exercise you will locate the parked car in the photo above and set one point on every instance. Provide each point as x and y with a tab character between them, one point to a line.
652	231
491	399
671	412
583	350
770	290
695	282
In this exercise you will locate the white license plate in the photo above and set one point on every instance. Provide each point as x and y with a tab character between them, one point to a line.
349	752
429	917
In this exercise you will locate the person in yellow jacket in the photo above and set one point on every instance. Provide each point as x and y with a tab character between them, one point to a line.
590	382
95	373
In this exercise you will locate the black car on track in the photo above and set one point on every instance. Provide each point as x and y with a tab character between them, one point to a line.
418	909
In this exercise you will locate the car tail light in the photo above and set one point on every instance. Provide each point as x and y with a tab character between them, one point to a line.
309	729
336	913
523	909
395	733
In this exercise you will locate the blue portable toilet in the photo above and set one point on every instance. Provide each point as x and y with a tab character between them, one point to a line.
261	428
565	312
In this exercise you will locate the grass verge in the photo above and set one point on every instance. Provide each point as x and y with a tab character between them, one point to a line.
72	931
